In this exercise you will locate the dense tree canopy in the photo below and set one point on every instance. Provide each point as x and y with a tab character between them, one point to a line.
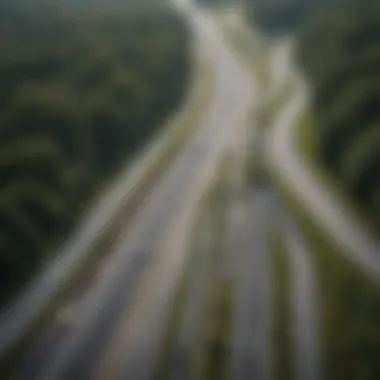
81	89
288	16
341	61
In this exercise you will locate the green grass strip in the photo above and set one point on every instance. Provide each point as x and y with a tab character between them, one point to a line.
220	318
282	341
307	136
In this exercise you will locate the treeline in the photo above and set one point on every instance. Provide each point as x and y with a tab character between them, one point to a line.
341	57
81	90
278	17
338	49
214	3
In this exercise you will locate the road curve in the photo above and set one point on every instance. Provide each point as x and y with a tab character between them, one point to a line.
138	249
327	210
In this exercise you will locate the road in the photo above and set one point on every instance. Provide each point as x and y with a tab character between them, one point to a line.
74	353
251	340
305	315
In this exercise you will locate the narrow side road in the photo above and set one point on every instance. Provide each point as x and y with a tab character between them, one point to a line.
328	211
305	311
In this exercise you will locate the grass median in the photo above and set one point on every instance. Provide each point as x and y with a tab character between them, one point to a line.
307	136
220	317
210	362
267	112
281	325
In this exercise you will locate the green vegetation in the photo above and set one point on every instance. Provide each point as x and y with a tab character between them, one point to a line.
345	100
307	137
221	316
215	3
82	88
278	17
269	109
282	340
210	362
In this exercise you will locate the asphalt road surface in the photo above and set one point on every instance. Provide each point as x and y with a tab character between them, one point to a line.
251	356
73	351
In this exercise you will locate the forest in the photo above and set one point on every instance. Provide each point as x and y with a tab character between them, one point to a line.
338	51
82	88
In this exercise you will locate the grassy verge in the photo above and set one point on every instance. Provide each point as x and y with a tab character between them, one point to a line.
267	112
176	138
220	316
350	304
211	359
307	138
282	341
